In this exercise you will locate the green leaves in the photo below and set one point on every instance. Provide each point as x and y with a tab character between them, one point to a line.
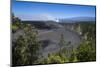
86	51
55	58
26	46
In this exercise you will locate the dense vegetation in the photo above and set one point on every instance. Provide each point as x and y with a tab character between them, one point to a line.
87	49
25	50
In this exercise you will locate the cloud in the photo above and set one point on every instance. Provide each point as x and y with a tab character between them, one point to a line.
37	17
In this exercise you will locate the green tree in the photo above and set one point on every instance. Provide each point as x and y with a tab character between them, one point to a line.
62	42
86	52
20	56
27	48
16	23
54	58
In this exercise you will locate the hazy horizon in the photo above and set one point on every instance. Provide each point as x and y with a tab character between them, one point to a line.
48	11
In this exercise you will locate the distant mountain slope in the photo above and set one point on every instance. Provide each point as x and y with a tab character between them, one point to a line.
78	19
84	19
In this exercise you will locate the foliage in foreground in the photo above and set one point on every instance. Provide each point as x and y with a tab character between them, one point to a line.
26	47
86	52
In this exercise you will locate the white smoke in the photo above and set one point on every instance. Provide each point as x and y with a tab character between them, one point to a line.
44	17
37	17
